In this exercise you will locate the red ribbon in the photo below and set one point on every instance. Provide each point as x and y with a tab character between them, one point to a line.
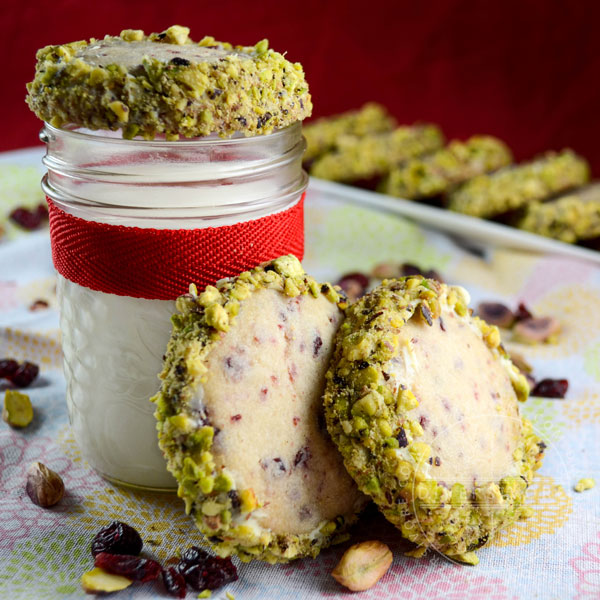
161	263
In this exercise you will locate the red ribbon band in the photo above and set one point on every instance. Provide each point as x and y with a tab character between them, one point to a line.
161	263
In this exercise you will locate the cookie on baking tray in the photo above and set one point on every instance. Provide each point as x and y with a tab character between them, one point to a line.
422	401
240	414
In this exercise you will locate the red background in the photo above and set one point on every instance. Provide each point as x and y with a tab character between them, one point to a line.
527	71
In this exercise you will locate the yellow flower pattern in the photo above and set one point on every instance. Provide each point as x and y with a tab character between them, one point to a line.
40	348
551	506
584	410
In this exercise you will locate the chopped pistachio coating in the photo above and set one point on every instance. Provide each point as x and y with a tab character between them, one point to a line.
438	172
375	155
514	187
569	218
421	400
322	134
587	483
17	410
239	414
167	84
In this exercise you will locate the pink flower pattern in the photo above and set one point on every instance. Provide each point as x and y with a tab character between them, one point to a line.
587	569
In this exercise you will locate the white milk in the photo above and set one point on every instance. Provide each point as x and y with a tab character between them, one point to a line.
113	345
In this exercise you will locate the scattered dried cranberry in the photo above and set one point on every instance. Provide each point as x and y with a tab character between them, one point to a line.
354	284
522	312
8	367
132	567
551	388
410	269
27	219
117	538
24	375
204	572
174	582
407	269
194	555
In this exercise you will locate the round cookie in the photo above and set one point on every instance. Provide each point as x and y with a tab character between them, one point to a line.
421	400
165	83
240	414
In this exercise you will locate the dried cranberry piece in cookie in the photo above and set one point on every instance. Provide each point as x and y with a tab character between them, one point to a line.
117	538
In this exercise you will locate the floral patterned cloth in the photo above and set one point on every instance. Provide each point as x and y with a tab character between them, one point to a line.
554	554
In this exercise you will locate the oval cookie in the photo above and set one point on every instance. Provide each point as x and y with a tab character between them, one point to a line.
421	400
240	414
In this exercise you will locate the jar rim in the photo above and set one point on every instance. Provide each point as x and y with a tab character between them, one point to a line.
162	143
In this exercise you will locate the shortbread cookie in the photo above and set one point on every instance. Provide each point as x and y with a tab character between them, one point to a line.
514	187
240	414
437	173
375	155
322	135
166	84
569	218
421	400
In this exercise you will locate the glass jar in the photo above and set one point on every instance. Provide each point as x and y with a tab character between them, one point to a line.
113	343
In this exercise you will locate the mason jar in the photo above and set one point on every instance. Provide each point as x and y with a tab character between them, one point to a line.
132	224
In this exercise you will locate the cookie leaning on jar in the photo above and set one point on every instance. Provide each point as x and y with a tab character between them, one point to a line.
239	414
421	400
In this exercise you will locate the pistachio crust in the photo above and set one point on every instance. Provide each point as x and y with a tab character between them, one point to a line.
221	499
322	134
569	218
372	417
514	187
166	84
436	173
374	155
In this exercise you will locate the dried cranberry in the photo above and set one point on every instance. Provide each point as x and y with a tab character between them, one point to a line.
410	269
433	274
117	538
354	285
24	375
26	218
42	211
8	367
210	573
174	582
551	388
194	555
132	567
302	457
522	312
